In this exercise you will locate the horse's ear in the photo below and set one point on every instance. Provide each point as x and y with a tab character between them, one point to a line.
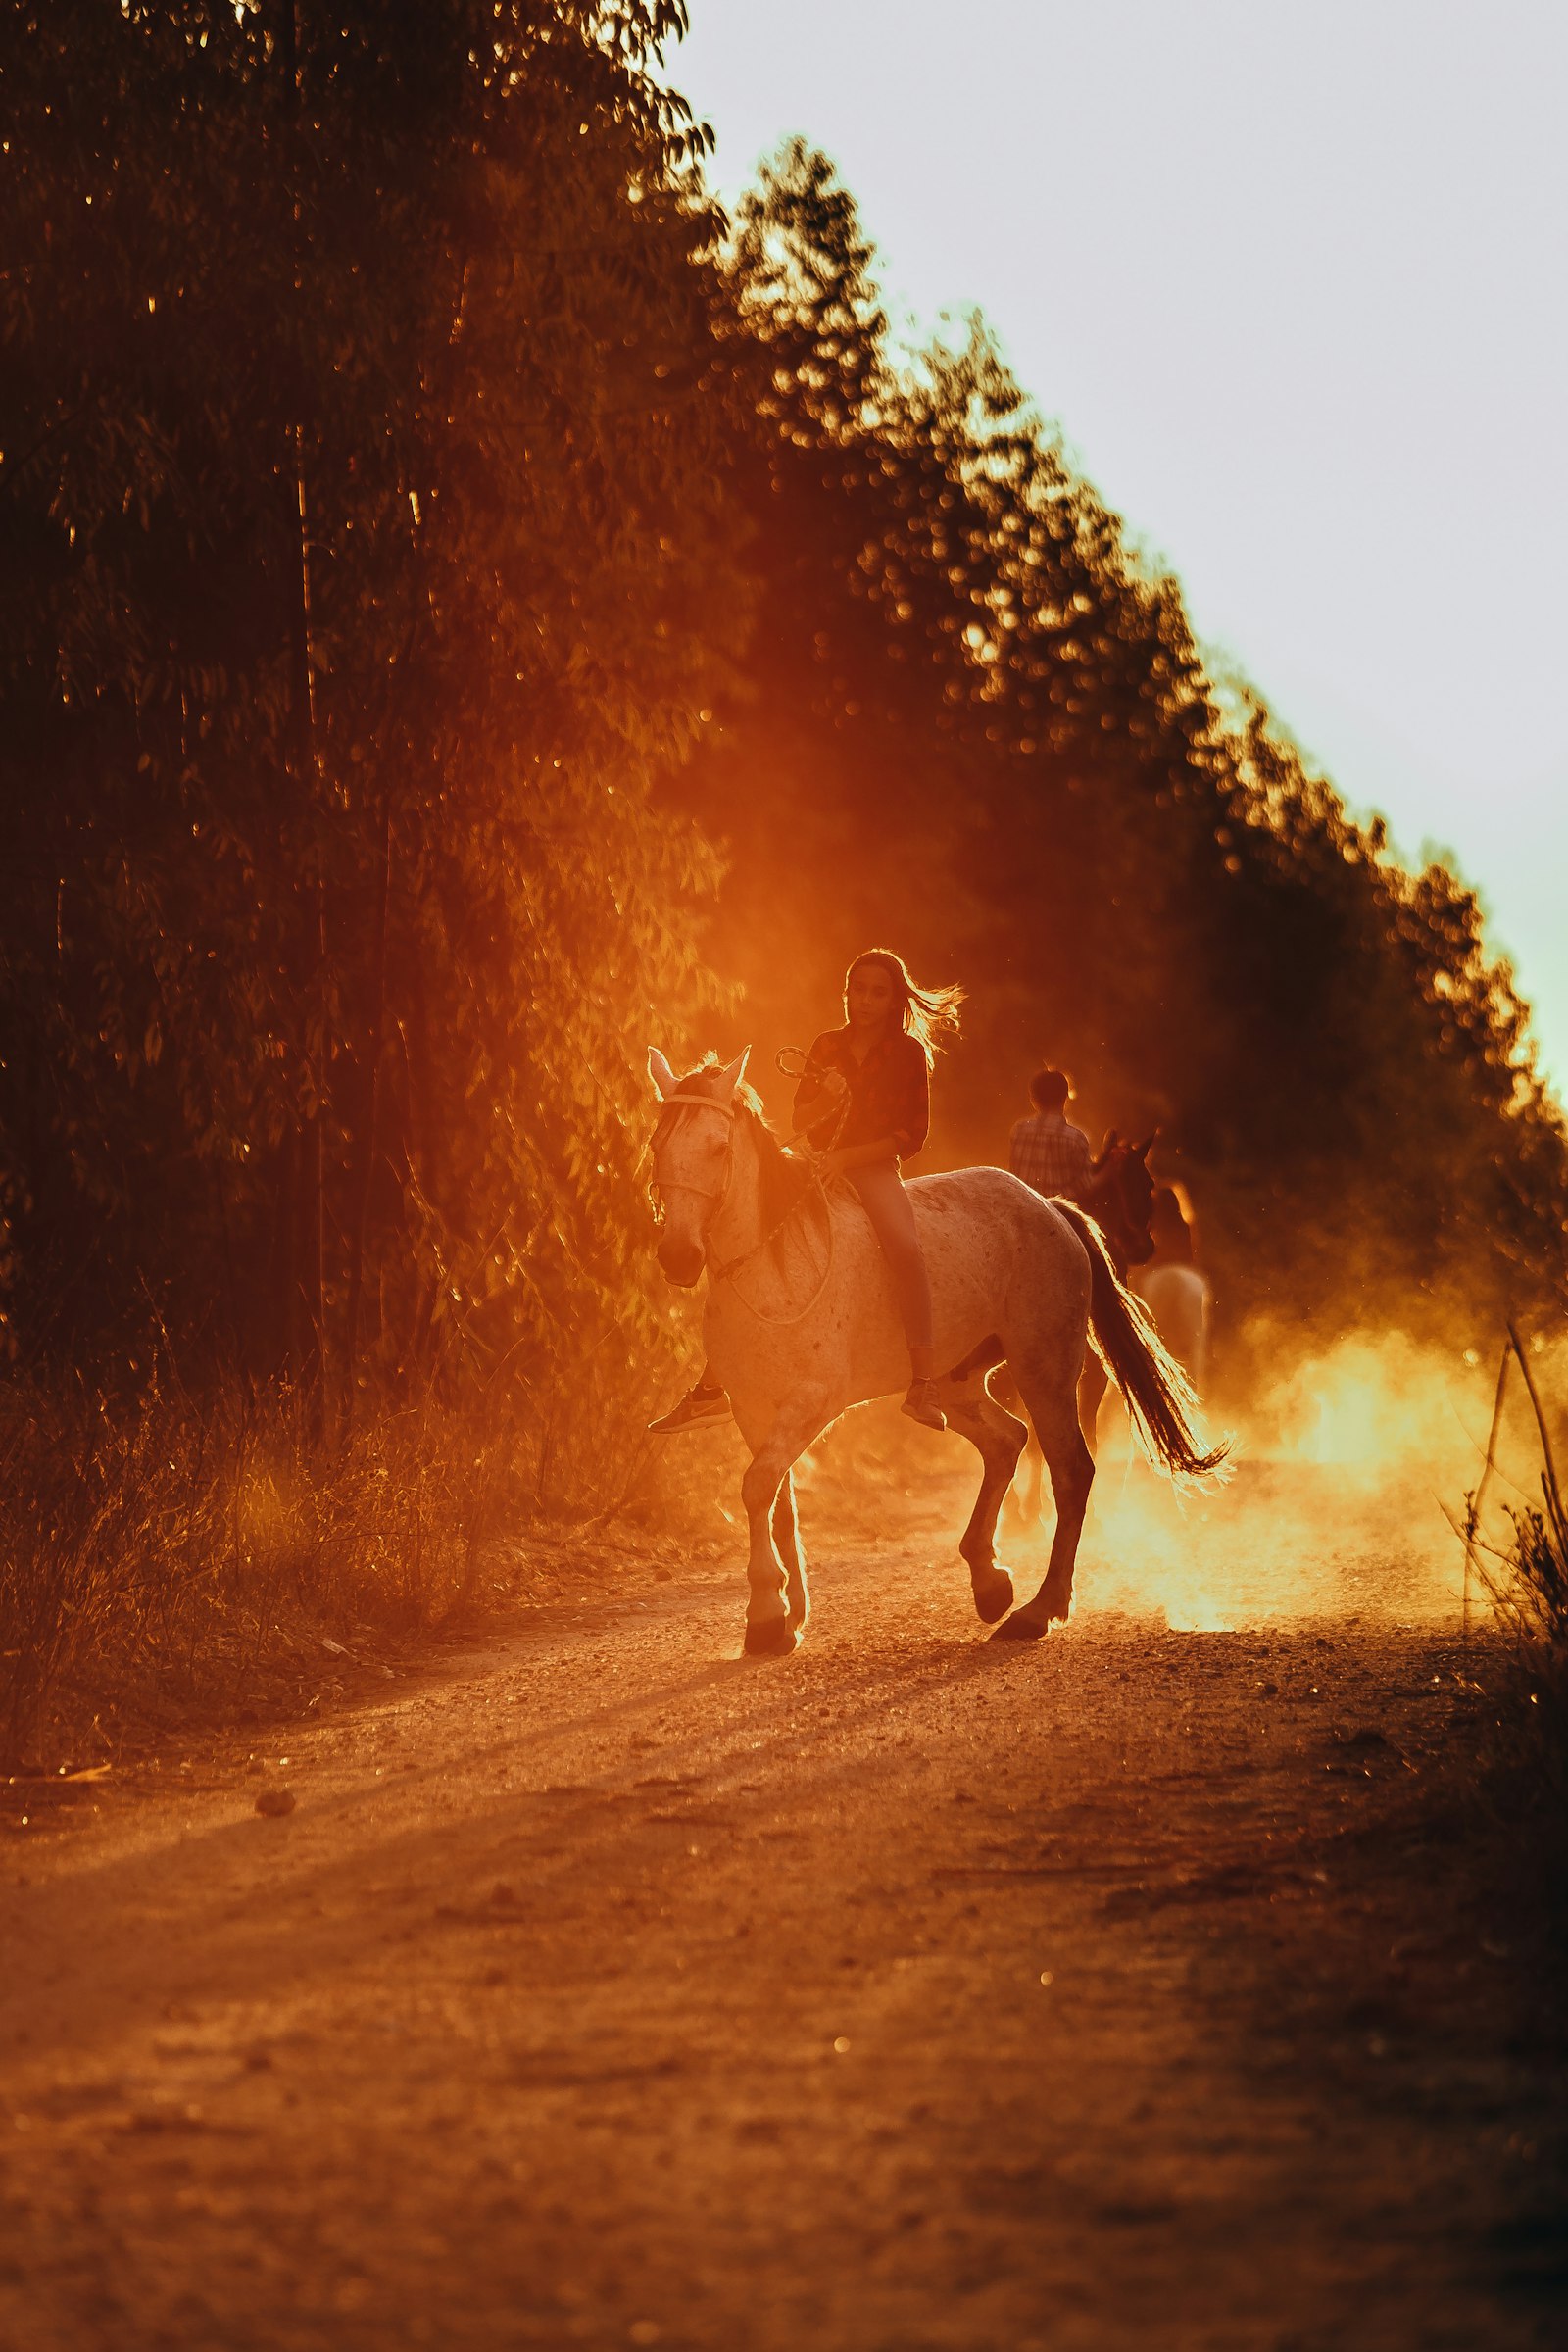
1113	1139
1143	1150
662	1076
736	1073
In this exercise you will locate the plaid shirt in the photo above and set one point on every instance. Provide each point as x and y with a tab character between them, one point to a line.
890	1091
1050	1153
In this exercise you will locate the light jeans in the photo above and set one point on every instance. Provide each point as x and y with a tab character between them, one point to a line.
887	1205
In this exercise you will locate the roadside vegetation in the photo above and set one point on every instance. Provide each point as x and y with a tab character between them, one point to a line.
470	610
1518	1552
170	1556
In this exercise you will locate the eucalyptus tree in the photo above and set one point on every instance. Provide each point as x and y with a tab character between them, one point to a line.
365	554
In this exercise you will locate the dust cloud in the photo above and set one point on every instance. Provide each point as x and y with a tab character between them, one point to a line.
1345	1465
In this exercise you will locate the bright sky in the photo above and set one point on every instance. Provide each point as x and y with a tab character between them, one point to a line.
1290	277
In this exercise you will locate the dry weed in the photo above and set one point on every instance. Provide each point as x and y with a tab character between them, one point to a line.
169	1554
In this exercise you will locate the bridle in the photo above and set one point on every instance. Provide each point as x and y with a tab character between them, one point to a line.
702	1192
728	1268
1110	1186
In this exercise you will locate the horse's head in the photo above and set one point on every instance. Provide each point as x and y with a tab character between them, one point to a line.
1121	1196
692	1153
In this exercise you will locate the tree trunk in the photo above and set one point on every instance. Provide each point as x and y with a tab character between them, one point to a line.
370	1137
281	1320
304	1316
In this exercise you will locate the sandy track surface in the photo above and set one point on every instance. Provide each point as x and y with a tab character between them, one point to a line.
914	1992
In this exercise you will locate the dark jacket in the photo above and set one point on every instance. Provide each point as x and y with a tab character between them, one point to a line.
890	1092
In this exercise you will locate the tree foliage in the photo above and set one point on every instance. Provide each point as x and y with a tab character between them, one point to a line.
974	723
364	555
429	549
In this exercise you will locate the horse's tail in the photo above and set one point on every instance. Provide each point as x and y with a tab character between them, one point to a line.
1157	1393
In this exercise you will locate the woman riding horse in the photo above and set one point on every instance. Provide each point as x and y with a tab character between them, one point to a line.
864	1105
803	1318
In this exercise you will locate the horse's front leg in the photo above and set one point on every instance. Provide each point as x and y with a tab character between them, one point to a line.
772	1625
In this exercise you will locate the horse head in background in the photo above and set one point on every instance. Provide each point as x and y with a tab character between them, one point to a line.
1120	1197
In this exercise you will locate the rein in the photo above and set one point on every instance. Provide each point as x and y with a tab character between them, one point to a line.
817	1186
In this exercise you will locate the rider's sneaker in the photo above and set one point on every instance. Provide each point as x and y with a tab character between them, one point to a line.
698	1404
922	1404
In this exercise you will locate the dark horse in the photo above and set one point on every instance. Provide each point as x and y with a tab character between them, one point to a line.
1119	1199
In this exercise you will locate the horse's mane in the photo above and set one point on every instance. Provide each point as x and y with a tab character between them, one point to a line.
783	1179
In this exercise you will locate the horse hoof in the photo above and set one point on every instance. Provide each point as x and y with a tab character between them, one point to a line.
993	1596
1020	1628
771	1637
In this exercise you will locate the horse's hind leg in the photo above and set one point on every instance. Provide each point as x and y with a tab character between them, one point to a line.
1054	1409
787	1537
998	1439
1019	1511
1027	1504
1093	1381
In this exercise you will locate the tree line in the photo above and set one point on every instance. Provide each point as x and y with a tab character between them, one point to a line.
970	717
469	608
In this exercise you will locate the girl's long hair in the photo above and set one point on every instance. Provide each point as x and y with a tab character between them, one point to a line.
930	1015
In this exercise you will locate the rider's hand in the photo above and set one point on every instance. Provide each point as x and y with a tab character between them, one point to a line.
834	1085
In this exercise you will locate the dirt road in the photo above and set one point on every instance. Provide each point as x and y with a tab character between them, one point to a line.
917	1991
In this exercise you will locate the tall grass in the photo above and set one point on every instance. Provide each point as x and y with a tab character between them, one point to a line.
1525	1579
170	1553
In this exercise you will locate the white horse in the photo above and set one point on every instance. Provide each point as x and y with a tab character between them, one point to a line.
800	1323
